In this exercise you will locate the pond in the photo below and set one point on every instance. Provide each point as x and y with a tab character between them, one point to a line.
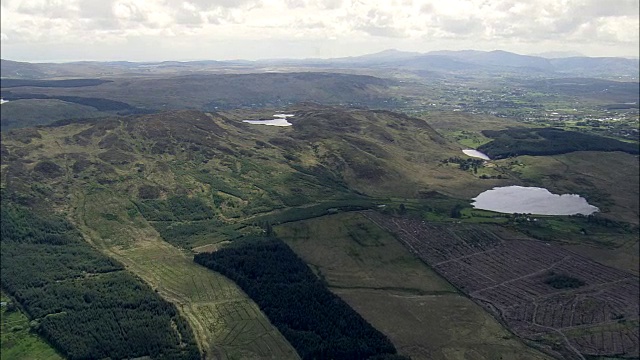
280	120
476	154
532	200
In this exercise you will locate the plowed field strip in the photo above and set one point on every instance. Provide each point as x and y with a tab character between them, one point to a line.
211	303
603	295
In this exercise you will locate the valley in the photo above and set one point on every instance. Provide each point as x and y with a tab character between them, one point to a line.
362	185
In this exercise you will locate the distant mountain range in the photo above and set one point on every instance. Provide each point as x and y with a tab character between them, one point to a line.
551	64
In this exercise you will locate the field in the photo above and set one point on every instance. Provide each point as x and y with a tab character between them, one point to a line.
423	315
226	323
17	341
607	180
543	293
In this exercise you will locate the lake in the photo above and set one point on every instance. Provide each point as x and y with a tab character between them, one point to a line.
476	154
532	200
280	120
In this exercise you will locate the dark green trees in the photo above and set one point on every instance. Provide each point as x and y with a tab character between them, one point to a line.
81	301
316	322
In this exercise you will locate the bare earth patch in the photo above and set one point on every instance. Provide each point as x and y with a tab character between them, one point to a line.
423	315
544	293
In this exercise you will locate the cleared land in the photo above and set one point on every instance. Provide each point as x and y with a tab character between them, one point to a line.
227	324
424	316
574	305
16	340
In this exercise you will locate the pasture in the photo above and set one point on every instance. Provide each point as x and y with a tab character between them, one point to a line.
422	314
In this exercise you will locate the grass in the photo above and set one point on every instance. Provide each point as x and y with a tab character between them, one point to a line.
227	324
467	138
27	113
17	342
398	294
258	179
607	180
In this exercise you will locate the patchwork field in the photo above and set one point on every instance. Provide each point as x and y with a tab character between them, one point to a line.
544	293
423	315
226	323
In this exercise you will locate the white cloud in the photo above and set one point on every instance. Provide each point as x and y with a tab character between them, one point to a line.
117	28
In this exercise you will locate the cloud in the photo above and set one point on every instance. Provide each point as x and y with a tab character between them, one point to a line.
294	4
329	4
382	31
604	27
213	4
47	8
375	22
466	26
92	9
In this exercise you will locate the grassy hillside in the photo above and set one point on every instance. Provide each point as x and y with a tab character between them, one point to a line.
32	112
152	190
127	183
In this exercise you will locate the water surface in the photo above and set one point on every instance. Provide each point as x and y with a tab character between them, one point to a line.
476	154
280	120
532	200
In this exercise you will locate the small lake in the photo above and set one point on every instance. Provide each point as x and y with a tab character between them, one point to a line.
280	120
475	154
532	200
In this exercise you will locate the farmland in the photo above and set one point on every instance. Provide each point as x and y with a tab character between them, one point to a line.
423	315
575	306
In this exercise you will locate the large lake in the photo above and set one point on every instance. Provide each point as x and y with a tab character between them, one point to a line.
532	200
280	120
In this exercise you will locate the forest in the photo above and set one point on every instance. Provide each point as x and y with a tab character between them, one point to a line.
179	207
83	303
317	323
548	141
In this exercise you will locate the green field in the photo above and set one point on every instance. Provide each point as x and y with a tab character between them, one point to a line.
419	311
17	341
226	323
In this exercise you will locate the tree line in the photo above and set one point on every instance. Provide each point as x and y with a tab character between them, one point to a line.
548	141
81	301
317	323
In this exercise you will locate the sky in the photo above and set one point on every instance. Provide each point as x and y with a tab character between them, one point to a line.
158	30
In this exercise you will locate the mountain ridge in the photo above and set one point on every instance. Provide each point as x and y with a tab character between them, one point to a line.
468	60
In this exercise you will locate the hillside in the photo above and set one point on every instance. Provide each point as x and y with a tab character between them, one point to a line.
211	92
339	150
198	179
150	191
